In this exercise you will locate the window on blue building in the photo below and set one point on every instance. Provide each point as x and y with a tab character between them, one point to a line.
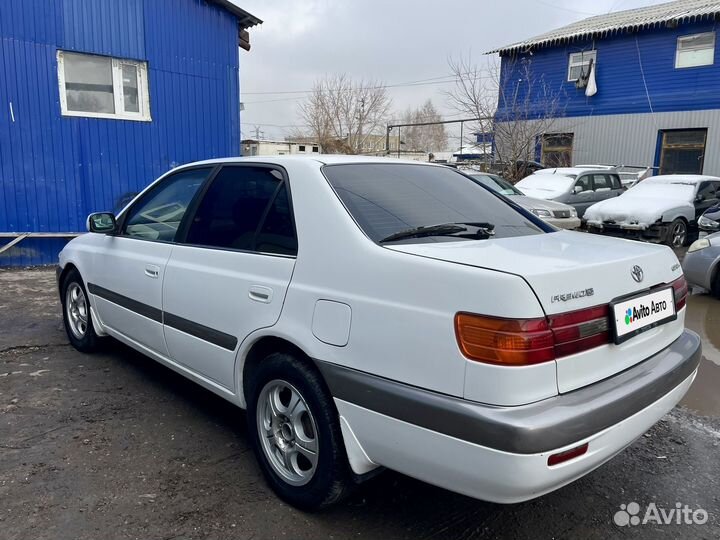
579	64
103	87
695	50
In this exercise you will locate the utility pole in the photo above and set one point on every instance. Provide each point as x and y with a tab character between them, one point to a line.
361	119
258	133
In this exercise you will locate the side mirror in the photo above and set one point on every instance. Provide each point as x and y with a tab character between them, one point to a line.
577	189
101	222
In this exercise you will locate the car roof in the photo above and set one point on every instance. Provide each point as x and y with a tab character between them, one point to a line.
690	179
324	159
574	171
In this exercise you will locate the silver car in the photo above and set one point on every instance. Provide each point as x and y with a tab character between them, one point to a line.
580	187
701	263
560	215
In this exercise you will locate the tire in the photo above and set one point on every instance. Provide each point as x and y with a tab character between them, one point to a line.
677	234
281	440
77	317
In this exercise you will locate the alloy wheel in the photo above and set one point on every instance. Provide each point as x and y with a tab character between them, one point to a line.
76	309
288	432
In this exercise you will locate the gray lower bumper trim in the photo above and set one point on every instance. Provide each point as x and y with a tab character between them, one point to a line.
528	429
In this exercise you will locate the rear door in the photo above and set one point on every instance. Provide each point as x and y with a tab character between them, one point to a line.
602	187
127	269
229	274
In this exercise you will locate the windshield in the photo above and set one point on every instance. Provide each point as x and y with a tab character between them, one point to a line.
659	190
385	199
496	184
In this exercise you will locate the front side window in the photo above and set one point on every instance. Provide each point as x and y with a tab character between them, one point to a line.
245	208
103	87
579	64
707	190
583	184
695	50
158	213
386	199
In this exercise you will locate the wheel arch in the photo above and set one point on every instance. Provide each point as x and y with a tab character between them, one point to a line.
259	349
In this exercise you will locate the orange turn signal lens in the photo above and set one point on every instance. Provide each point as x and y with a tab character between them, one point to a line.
507	342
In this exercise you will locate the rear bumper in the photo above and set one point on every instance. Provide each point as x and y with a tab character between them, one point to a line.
500	453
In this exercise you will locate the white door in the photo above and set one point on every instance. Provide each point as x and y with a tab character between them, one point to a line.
229	275
127	269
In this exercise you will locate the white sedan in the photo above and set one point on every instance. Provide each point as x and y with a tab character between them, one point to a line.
370	312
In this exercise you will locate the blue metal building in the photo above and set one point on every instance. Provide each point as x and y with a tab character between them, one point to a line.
656	72
99	97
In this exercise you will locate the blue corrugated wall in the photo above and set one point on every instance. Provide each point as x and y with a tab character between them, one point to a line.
54	170
619	75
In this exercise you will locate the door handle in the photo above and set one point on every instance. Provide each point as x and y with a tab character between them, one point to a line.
261	294
152	271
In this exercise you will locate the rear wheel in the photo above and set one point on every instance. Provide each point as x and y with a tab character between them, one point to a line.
677	234
296	434
76	314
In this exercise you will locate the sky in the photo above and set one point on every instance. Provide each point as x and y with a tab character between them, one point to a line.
392	41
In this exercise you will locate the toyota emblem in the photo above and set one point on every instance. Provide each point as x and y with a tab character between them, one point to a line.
637	273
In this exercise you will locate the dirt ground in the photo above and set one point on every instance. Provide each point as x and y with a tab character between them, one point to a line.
116	446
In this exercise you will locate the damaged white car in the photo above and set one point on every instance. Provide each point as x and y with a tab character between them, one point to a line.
662	209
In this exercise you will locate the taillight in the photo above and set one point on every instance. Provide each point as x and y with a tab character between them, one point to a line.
680	290
508	342
580	330
523	342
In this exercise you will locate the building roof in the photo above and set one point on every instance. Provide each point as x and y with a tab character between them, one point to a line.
669	14
245	19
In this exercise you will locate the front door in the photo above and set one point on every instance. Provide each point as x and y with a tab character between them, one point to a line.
582	196
229	275
128	268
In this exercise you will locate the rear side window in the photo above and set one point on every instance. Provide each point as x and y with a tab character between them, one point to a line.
385	199
616	184
157	215
601	181
245	208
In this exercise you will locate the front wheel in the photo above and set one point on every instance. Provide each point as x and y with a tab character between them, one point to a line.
296	435
77	317
677	234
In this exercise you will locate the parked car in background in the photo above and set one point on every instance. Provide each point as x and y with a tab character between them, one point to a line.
700	264
371	312
579	187
710	220
659	209
560	215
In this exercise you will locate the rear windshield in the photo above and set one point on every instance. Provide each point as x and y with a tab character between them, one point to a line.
385	199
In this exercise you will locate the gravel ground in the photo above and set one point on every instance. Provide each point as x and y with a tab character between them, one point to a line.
116	446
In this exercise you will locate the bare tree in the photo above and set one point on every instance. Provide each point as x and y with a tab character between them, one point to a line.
428	139
515	105
342	114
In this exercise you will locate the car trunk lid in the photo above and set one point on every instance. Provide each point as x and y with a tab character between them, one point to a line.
571	271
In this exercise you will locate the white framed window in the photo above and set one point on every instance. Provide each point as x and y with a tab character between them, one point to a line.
103	87
579	63
695	50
